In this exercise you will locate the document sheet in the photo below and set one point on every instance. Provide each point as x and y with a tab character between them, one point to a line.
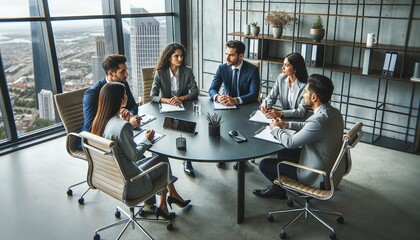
139	136
264	133
219	106
166	107
258	116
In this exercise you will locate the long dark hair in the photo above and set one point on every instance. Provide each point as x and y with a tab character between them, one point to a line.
299	66
109	105
166	54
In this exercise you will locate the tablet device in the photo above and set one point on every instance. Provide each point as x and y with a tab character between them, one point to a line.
179	125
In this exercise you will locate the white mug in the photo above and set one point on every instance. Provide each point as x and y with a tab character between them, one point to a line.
247	29
371	39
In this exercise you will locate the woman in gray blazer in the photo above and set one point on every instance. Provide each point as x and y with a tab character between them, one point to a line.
108	124
174	83
288	89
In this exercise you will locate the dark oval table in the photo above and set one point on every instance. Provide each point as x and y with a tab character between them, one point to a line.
204	148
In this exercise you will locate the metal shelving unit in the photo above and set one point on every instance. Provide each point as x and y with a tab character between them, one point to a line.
379	125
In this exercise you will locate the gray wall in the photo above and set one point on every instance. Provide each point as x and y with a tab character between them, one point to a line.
211	22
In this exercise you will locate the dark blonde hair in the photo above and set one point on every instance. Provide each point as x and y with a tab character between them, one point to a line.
165	56
109	105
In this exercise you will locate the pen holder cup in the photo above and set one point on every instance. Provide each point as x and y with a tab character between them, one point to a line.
214	130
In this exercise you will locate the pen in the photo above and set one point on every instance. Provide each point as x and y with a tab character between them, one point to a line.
253	113
142	115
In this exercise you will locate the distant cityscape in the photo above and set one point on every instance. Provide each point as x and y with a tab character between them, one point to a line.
80	54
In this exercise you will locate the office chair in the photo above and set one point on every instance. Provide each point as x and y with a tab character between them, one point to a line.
106	174
147	78
341	167
70	109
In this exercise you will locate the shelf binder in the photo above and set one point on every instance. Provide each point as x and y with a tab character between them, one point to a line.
308	55
254	48
386	64
366	61
389	64
392	63
303	51
317	58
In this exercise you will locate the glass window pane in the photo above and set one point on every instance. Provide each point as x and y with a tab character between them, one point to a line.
77	7
27	63
144	40
155	6
20	8
81	46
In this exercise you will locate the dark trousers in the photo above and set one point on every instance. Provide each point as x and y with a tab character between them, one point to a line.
268	166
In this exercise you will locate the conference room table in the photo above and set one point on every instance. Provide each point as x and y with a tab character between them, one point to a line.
200	147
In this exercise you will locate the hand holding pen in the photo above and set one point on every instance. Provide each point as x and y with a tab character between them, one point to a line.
174	100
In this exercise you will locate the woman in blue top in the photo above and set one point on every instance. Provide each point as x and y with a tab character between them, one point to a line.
109	125
288	89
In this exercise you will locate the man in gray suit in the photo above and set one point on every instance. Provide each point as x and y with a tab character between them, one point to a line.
320	138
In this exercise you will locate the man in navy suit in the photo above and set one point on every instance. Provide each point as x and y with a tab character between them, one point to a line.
116	71
241	79
247	85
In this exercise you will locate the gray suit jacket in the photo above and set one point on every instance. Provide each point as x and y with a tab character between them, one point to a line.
121	132
161	87
280	92
320	136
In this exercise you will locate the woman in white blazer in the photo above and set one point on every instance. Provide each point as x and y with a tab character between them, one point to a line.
174	83
288	90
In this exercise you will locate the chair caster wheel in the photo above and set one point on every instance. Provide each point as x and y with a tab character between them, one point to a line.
97	237
69	192
333	236
170	226
81	201
117	214
290	203
270	218
340	219
283	235
142	213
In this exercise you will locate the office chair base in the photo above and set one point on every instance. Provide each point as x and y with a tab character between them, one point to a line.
130	219
81	200
304	211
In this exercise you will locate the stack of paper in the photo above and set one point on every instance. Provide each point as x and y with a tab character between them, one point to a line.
166	107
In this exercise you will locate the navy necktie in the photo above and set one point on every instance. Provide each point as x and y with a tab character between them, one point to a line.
235	83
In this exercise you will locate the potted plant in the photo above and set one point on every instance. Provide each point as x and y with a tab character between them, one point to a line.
317	31
279	20
255	29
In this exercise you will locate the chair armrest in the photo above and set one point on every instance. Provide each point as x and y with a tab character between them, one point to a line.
301	167
96	150
69	146
151	169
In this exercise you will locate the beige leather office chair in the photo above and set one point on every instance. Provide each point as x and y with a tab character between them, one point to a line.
70	109
341	167
147	81
106	174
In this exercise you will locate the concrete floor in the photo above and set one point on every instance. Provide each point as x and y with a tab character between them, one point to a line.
379	199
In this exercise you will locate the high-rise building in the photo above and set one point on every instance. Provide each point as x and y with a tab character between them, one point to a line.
145	46
97	71
42	75
46	105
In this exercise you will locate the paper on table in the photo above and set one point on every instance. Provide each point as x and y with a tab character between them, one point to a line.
166	107
145	119
218	106
265	134
258	116
138	137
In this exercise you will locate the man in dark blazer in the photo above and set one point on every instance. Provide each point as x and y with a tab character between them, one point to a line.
116	71
247	85
316	144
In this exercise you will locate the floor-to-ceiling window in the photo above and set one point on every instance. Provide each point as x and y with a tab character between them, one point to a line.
55	46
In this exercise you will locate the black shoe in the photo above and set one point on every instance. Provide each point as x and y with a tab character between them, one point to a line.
177	202
160	213
188	168
220	164
270	192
